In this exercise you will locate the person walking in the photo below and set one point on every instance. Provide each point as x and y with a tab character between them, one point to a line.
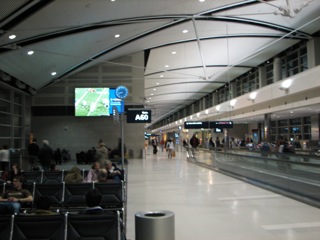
170	148
33	150
4	158
194	142
45	155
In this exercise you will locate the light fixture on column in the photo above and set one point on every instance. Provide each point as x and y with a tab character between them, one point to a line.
252	96
285	85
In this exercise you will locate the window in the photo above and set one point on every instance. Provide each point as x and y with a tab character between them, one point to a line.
4	106
294	61
269	73
4	118
295	121
224	94
247	82
208	100
283	123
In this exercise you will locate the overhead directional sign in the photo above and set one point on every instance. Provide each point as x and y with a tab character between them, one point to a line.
221	124
139	116
196	125
215	124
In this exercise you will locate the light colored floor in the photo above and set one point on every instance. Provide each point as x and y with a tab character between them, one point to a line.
208	205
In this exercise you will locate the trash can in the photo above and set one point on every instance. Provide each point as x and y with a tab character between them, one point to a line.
154	225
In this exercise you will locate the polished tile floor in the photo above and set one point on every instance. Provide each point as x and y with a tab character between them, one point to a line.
209	205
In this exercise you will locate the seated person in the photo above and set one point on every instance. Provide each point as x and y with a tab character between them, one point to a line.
13	198
15	172
43	205
53	167
93	200
74	176
113	172
93	173
103	176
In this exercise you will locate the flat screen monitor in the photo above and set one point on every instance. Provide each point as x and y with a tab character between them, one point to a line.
96	102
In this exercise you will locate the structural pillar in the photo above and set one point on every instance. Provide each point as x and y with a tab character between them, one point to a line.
266	128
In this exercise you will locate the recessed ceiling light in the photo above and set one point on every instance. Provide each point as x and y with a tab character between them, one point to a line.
161	76
185	31
158	83
202	0
166	66
154	89
151	94
30	52
12	36
174	52
117	35
54	73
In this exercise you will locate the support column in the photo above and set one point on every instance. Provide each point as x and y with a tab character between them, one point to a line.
266	128
262	76
313	52
277	70
315	121
226	138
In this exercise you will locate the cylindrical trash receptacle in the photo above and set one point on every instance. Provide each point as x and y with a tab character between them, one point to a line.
154	225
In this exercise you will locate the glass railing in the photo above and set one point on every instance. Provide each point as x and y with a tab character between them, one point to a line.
294	175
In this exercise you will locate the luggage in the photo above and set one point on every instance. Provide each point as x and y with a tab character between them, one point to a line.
155	150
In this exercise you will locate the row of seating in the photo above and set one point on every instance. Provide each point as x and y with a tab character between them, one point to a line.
51	177
48	176
61	227
69	195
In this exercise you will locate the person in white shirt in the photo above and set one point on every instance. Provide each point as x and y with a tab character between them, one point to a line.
170	148
4	158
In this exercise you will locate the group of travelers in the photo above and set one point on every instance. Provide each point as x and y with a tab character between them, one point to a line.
45	155
12	200
100	153
107	172
8	176
168	146
16	196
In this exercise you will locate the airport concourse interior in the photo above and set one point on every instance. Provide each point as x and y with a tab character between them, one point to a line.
209	112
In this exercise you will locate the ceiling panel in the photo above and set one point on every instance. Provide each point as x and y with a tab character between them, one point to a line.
225	39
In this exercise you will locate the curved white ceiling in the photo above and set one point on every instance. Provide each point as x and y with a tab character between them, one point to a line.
224	40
